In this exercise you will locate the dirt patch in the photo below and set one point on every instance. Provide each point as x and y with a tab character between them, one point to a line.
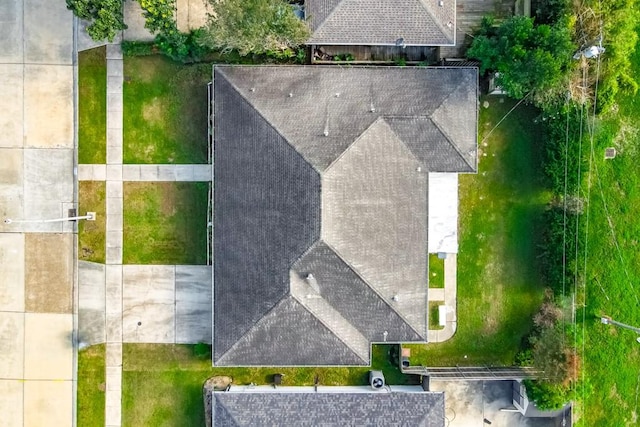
48	273
154	110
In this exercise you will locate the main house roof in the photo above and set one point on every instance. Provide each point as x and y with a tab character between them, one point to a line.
320	196
328	408
381	22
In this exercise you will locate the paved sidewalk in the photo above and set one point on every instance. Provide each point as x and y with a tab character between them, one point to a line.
113	269
183	173
448	296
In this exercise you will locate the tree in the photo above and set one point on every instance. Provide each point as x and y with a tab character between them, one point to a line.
253	26
527	57
105	17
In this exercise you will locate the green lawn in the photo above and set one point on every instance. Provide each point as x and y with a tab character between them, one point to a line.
162	384
91	386
436	271
499	286
165	222
611	355
92	234
92	106
165	111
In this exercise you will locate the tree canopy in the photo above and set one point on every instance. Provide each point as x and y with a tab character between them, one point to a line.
253	26
527	57
105	17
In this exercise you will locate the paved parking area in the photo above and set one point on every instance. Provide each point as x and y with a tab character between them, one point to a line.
36	183
166	303
480	404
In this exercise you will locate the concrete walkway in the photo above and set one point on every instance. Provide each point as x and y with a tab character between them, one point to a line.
142	304
183	173
448	296
113	269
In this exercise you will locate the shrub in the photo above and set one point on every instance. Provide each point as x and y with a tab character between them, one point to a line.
202	350
135	48
105	17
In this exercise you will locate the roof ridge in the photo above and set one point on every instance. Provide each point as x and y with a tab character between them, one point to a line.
329	15
444	32
437	125
374	290
213	407
266	120
351	145
402	141
367	357
255	325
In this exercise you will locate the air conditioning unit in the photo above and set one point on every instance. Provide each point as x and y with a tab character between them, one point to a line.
376	379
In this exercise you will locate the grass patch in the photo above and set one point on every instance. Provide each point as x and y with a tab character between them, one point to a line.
499	286
610	355
92	234
162	384
165	222
165	111
91	386
92	106
436	271
434	315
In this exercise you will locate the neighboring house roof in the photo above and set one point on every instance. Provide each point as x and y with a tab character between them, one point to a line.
310	409
320	196
381	22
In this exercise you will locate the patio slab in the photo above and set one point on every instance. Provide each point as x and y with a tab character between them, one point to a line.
48	349
48	403
12	272
11	397
148	303
91	303
135	23
11	345
11	102
193	304
48	273
191	14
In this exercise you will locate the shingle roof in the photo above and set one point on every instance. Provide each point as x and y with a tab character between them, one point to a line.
320	241
381	22
328	409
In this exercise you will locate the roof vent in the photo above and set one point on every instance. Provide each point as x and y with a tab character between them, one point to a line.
326	132
253	89
376	379
337	94
441	3
372	109
449	24
290	95
395	297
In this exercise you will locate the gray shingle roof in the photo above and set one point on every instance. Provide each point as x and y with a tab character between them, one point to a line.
381	22
328	409
349	208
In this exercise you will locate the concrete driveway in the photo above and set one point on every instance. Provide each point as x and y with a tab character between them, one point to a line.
482	404
36	182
